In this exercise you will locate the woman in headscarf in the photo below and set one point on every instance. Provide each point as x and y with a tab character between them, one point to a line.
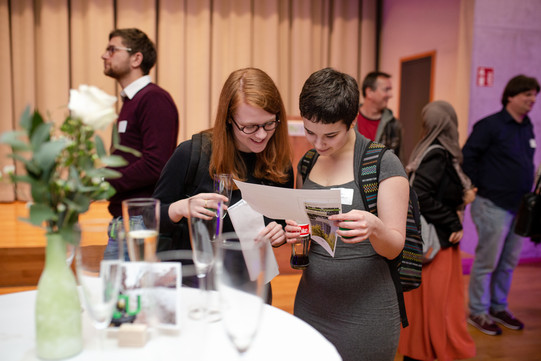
436	310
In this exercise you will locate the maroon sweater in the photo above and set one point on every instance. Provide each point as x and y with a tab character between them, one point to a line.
151	124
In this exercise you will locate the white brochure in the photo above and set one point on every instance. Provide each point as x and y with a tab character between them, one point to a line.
311	206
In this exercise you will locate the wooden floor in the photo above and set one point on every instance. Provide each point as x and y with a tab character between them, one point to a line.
525	303
21	261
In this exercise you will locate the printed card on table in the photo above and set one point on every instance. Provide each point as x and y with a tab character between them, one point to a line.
149	294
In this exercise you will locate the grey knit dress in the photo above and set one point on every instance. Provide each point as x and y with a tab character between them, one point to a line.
351	298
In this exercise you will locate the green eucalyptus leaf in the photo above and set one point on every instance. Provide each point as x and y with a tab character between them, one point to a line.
13	139
114	161
46	155
37	120
100	147
24	178
106	192
128	150
29	121
40	213
26	120
28	163
115	137
41	134
111	191
74	173
109	173
117	145
70	234
40	192
81	202
27	220
88	188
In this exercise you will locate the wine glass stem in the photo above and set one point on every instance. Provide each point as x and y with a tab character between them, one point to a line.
101	340
202	289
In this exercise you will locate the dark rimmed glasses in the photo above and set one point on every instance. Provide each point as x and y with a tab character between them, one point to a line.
251	129
111	49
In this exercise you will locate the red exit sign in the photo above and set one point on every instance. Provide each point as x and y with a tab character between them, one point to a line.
485	76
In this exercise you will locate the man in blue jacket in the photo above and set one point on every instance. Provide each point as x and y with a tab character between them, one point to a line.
498	157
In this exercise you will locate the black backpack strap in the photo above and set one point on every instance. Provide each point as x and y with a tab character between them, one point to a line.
193	164
307	162
201	147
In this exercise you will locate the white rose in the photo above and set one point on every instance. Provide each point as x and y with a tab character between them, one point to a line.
93	106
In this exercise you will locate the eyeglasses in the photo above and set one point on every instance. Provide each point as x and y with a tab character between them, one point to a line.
251	129
111	49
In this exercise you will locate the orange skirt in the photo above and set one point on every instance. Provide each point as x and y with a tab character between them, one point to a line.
436	313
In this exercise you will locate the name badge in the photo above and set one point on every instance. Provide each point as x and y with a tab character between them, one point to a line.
532	143
346	195
122	125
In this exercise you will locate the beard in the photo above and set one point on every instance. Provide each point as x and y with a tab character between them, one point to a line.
109	71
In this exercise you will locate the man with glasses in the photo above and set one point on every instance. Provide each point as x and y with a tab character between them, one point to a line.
148	120
498	158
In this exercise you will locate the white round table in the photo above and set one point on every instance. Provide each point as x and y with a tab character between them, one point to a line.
281	337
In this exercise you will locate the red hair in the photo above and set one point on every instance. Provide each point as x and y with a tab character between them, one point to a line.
253	87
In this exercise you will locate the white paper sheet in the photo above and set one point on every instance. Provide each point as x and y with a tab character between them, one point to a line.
248	223
286	203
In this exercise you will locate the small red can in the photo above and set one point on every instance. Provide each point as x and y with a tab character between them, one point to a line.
299	251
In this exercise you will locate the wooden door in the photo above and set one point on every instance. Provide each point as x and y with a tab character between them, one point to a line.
416	84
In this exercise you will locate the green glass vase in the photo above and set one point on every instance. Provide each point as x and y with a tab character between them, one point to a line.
58	310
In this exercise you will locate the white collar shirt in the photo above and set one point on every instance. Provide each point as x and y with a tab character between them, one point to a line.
134	87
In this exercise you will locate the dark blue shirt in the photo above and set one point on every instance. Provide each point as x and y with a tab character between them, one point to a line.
498	157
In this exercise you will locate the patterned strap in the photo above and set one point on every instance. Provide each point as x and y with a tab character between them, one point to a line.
369	175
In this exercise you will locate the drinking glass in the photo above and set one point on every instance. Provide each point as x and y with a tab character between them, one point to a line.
141	218
99	279
202	233
240	278
223	184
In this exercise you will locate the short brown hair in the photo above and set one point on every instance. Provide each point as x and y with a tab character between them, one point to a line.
329	96
370	80
138	42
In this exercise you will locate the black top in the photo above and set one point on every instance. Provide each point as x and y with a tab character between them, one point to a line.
439	191
171	188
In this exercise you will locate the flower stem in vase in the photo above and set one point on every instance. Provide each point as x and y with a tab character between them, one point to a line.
58	309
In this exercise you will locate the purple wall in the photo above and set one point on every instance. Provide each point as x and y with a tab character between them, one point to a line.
507	39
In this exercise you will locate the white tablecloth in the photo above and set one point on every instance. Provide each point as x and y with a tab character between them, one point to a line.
281	337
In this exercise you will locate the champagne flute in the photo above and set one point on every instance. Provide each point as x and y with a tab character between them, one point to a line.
141	218
202	233
223	184
99	279
240	278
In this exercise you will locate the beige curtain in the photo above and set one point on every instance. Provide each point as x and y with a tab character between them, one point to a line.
50	46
